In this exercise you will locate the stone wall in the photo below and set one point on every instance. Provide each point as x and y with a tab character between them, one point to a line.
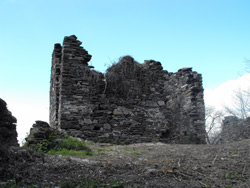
8	134
234	129
131	103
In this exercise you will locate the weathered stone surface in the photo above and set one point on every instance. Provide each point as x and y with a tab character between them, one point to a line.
41	131
107	126
161	103
8	133
131	103
117	112
234	129
88	121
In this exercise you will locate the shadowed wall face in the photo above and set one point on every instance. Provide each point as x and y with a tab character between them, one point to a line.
234	129
131	103
8	133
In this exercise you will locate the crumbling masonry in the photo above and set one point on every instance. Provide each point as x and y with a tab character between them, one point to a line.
131	103
8	133
234	129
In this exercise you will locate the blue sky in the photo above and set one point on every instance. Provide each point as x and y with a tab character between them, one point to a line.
212	36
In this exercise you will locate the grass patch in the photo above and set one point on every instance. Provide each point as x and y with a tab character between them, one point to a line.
71	147
234	153
233	175
66	152
138	152
127	149
112	150
66	146
131	151
89	143
73	144
101	149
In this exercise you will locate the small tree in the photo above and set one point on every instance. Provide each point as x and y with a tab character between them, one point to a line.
213	124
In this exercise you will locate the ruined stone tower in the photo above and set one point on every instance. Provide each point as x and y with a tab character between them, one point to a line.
131	103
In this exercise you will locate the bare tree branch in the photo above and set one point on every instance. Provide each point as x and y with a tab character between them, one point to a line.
241	105
247	65
213	124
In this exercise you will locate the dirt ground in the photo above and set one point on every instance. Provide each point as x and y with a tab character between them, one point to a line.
148	165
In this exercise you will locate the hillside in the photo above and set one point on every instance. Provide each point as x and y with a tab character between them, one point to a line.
142	165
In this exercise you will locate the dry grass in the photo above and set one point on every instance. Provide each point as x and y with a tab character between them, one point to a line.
149	165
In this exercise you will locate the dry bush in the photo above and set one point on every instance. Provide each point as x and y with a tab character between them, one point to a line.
124	79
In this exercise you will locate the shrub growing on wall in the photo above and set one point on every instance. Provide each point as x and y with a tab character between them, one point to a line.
128	78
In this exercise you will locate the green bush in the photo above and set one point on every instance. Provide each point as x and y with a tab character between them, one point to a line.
48	140
69	147
62	146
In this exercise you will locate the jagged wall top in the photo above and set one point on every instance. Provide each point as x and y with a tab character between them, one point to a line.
73	51
131	103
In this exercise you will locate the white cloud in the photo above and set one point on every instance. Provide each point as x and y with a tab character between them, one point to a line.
223	94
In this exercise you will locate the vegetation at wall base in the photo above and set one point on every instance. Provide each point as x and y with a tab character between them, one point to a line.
67	152
73	144
67	146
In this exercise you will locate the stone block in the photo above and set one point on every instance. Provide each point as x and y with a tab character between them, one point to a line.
117	112
107	126
88	121
161	103
151	104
